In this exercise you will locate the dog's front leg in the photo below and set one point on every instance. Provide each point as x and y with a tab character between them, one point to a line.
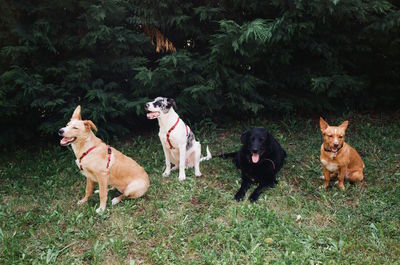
327	177
243	189
103	192
342	174
88	191
197	155
167	161
182	162
256	193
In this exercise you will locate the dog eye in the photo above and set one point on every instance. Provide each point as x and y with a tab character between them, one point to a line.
340	136
76	128
330	135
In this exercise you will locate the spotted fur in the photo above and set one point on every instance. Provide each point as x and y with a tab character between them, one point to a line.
190	140
179	144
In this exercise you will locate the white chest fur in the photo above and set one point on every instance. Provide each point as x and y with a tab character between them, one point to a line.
84	172
330	166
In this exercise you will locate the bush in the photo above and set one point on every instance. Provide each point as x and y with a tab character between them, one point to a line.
218	59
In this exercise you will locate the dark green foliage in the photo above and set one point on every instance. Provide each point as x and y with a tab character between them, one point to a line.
65	54
233	57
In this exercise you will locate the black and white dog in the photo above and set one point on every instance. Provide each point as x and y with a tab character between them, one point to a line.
178	141
259	159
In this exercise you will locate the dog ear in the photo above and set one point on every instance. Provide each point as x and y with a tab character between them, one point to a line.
77	113
171	103
268	142
323	124
344	125
244	137
90	125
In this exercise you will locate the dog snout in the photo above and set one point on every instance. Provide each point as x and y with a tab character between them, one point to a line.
336	145
254	150
61	132
146	107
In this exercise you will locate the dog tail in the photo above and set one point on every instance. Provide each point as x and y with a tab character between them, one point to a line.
227	155
208	156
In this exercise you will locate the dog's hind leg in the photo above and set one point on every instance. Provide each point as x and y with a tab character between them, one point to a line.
117	200
355	176
110	189
135	189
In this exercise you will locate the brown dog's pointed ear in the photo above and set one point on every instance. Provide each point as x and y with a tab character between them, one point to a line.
90	125
344	125
323	124
77	113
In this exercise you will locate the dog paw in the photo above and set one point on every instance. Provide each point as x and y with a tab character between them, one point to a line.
115	201
182	178
253	198
165	174
80	202
198	174
99	210
322	177
239	196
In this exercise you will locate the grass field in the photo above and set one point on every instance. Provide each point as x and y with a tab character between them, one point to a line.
197	221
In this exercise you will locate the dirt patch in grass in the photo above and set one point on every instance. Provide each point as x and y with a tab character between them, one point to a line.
24	208
279	206
79	249
7	198
321	220
111	260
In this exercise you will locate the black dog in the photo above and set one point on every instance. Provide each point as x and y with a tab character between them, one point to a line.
259	159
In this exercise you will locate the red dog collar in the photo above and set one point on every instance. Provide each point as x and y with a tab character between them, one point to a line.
109	155
90	150
171	129
85	154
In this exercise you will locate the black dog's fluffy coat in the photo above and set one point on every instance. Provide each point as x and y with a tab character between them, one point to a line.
259	159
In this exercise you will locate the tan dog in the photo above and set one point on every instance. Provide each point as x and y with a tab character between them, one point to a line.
337	157
101	163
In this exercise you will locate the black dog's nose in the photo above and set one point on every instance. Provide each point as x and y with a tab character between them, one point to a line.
60	132
336	145
254	151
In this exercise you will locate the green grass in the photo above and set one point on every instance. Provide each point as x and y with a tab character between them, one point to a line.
197	221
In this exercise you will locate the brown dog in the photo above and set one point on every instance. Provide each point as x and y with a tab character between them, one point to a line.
101	163
337	157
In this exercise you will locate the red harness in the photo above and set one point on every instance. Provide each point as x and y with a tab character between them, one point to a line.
171	129
90	150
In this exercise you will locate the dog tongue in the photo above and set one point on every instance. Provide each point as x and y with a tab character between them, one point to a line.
65	140
151	115
255	158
